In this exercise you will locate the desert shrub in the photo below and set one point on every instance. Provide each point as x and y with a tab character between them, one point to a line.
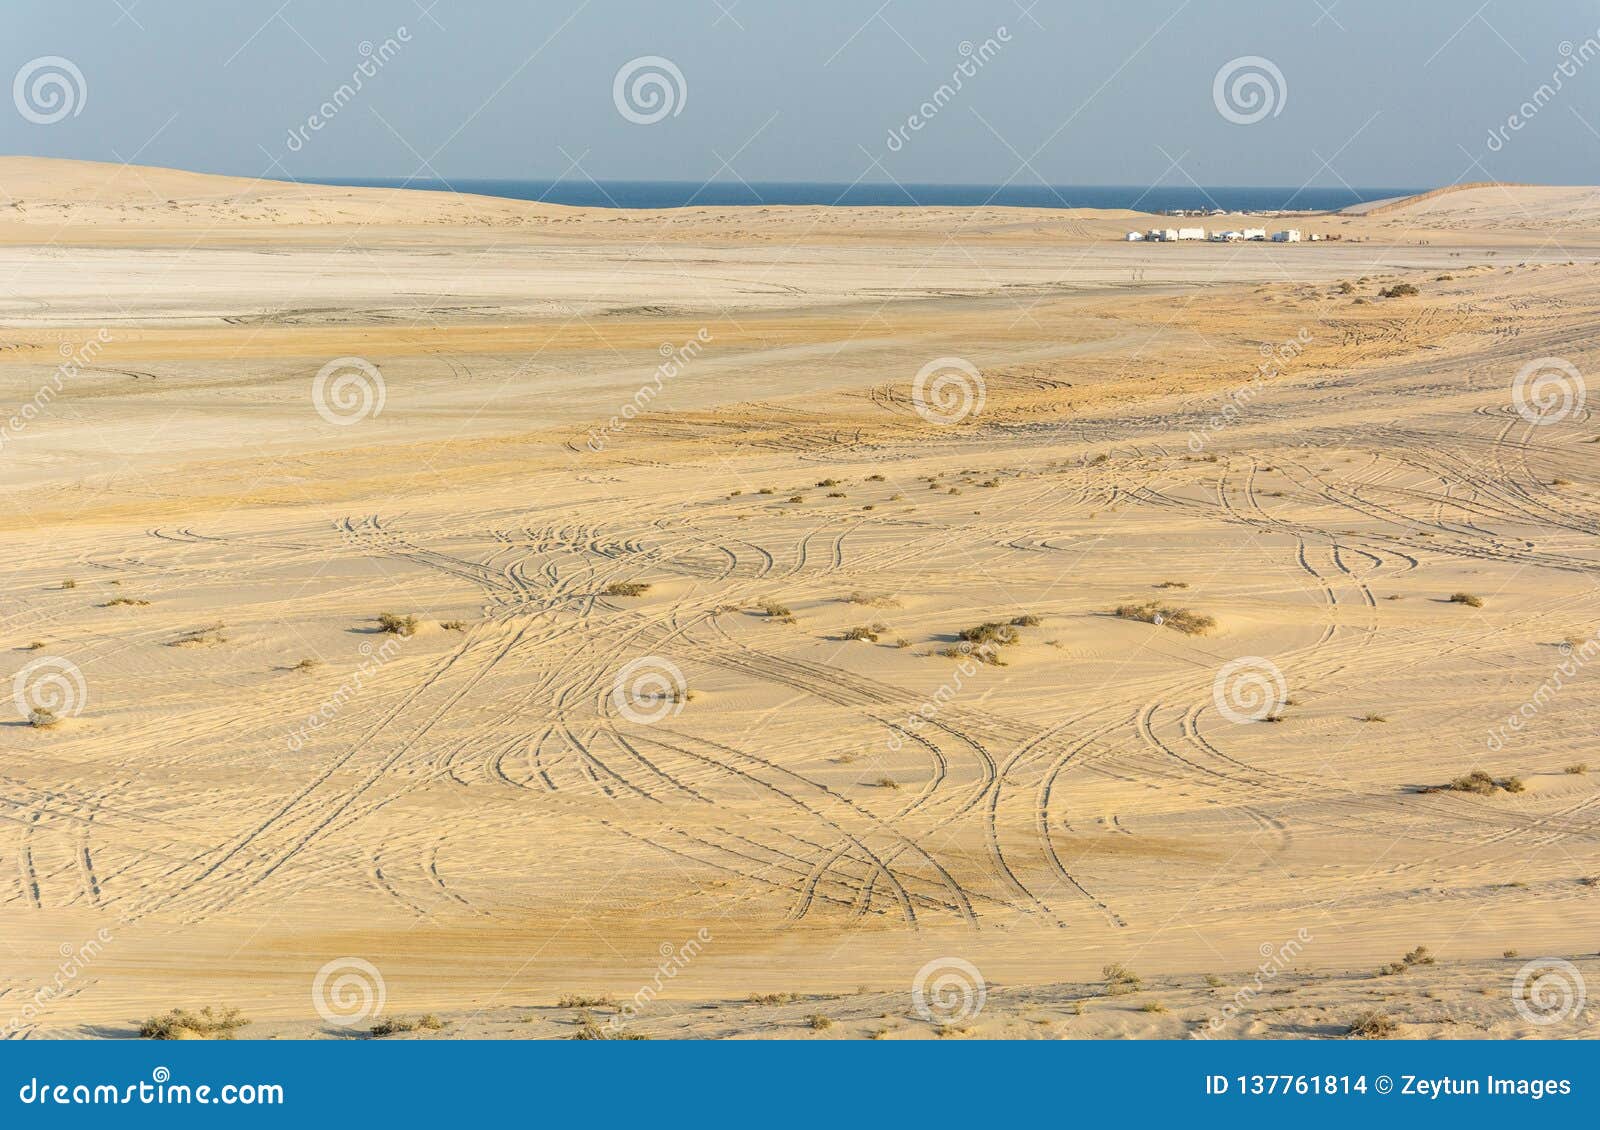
1398	290
453	625
1152	1006
1347	287
577	1000
887	783
307	664
828	483
989	632
866	632
200	637
837	494
820	1022
1178	619
776	610
1120	979
1469	599
1577	768
180	1024
1027	620
124	602
766	490
626	588
1479	783
1373	1025
397	625
69	583
875	600
1373	718
875	478
42	718
1173	585
34	645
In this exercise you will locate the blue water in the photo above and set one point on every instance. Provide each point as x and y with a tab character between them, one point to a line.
679	194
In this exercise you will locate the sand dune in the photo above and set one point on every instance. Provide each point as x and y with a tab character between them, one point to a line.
557	784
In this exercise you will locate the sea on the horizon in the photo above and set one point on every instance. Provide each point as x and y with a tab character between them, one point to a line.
680	194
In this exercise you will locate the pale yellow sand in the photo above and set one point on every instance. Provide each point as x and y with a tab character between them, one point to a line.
477	818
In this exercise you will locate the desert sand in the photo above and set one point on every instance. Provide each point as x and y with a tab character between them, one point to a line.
248	794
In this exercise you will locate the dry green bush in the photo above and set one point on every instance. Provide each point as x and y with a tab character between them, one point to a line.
1373	1025
1469	599
626	588
1166	615
181	1024
397	625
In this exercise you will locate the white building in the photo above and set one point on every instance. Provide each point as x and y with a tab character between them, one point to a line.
1165	235
1134	236
1191	233
1225	236
1254	233
1290	236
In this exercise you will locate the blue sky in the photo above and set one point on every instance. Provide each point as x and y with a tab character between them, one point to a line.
1372	92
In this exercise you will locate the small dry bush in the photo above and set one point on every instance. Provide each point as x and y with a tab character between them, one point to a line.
1471	600
627	588
181	1024
42	718
1373	1025
1166	615
866	632
578	1000
1120	979
397	625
